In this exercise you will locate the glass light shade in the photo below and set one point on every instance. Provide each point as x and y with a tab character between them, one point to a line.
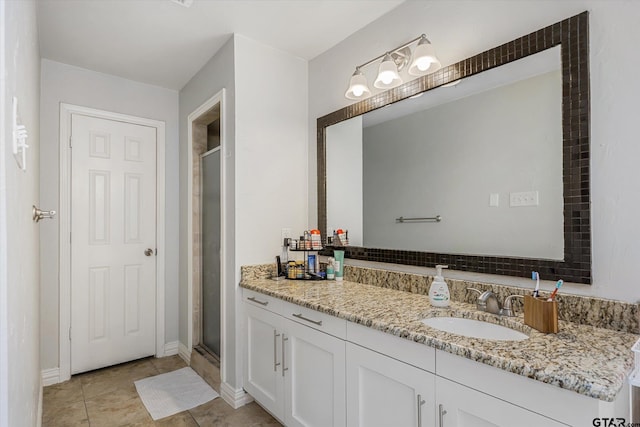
358	87
424	59
388	76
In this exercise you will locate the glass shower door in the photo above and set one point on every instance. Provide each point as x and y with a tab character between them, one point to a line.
210	168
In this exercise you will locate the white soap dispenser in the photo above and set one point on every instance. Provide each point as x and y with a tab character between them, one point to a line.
439	291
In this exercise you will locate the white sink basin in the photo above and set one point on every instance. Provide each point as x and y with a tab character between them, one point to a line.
474	328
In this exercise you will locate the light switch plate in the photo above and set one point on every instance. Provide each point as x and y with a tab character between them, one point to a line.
525	198
494	200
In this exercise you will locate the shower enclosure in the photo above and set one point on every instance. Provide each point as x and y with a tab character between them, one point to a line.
210	223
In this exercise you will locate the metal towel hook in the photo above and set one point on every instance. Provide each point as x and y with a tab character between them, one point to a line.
40	214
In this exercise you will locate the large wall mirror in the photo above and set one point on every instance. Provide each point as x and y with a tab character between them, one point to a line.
501	159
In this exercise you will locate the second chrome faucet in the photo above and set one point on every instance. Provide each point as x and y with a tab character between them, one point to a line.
488	301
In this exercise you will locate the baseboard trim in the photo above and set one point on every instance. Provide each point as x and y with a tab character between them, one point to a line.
171	348
50	376
234	397
184	353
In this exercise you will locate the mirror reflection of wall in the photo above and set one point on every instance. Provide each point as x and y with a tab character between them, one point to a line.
344	179
496	133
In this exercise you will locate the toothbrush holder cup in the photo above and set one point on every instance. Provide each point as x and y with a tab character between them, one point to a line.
541	314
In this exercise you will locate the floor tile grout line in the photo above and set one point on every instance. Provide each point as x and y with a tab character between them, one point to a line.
193	418
84	401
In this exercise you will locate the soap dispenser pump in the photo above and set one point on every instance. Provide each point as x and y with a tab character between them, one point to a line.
439	291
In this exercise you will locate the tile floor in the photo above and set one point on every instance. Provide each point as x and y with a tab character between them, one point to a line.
108	397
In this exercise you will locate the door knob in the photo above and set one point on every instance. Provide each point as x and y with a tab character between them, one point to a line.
148	252
40	214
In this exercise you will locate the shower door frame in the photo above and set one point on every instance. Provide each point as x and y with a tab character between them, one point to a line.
185	352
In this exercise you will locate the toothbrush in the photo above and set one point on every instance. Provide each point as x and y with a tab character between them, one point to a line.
555	291
535	276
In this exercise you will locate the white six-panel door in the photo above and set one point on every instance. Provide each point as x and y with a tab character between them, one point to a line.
113	241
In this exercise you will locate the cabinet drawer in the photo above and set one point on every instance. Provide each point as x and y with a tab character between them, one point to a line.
406	351
261	300
315	319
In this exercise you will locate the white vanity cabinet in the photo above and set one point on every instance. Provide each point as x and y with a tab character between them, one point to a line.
311	369
314	377
294	371
263	359
384	392
505	395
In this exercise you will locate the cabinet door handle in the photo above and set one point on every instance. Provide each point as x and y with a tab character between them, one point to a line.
265	303
275	351
283	340
441	414
420	403
316	322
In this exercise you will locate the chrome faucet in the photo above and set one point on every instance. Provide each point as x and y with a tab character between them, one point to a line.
481	305
507	310
491	302
488	301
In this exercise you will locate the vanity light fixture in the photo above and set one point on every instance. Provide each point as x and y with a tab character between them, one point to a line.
421	62
424	58
388	75
358	86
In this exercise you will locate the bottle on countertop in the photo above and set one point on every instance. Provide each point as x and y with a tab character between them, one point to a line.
339	264
331	274
311	260
300	270
291	270
439	291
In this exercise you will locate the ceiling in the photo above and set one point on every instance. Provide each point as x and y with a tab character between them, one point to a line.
162	43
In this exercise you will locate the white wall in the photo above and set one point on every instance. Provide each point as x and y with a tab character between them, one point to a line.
453	27
271	152
78	86
265	155
20	387
448	159
344	178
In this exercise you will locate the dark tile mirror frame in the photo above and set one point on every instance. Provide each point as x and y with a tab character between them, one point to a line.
572	35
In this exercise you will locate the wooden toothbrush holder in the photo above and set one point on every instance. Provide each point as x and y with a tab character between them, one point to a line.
541	314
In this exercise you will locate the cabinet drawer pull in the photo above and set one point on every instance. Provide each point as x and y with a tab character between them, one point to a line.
420	403
275	351
265	303
316	322
441	414
283	368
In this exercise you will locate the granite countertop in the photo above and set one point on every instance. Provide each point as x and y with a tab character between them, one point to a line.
588	360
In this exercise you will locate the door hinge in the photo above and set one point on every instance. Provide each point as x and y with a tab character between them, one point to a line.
69	334
70	141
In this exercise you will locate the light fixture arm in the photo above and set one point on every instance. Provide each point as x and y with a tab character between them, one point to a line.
423	36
